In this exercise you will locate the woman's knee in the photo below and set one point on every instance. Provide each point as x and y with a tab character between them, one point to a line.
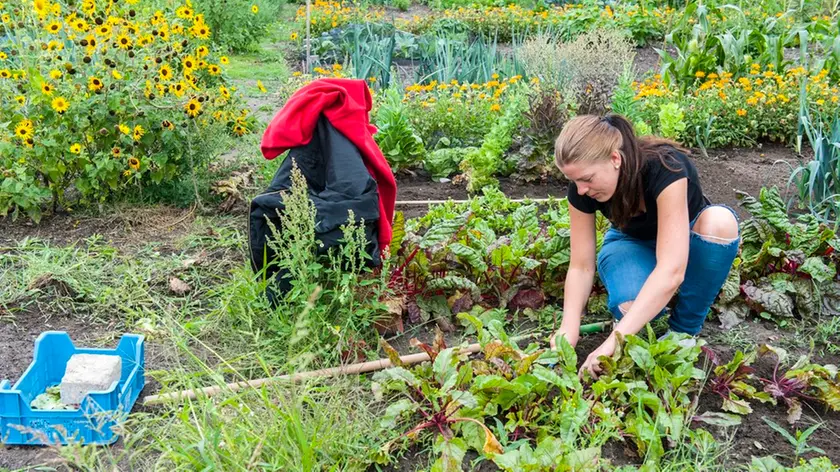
716	224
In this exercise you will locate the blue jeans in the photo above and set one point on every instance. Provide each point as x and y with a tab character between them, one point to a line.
624	264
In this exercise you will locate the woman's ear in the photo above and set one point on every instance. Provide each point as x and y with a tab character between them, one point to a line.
615	159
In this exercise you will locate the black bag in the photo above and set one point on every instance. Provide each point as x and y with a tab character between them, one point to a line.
338	181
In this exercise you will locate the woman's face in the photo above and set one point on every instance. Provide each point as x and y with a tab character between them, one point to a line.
597	180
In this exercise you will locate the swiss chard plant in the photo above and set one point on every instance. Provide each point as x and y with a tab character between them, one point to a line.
800	381
786	269
730	381
453	402
648	384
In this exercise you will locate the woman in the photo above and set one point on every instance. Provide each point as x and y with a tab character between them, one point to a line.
666	236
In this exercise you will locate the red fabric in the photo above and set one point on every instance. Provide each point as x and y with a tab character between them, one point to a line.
345	103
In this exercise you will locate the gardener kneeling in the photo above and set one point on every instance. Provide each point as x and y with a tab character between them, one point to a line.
665	235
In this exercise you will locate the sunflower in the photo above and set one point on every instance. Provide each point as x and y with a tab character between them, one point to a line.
134	163
177	29
116	152
116	74
21	100
5	74
60	105
202	51
80	25
123	41
185	13
224	92
165	72
41	7
94	84
123	128
46	89
54	27
3	56
201	31
294	36
76	148
138	132
166	124
214	69
261	86
193	107
239	130
55	74
163	34
103	30
224	60
189	64
255	9
25	129
178	89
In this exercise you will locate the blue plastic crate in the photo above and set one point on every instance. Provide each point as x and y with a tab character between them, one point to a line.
99	412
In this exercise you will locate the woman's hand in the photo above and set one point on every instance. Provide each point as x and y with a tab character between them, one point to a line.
571	333
592	364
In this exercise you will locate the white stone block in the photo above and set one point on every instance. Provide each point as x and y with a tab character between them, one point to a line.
87	373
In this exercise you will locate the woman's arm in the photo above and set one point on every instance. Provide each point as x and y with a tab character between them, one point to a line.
672	240
580	276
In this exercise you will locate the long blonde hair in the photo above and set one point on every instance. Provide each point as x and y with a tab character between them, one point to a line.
587	139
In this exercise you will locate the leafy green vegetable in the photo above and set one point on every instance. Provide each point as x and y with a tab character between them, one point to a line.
50	400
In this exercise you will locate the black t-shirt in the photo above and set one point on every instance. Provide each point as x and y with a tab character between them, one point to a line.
655	177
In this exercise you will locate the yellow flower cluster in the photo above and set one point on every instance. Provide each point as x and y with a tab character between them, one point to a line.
461	93
763	103
765	87
328	14
147	71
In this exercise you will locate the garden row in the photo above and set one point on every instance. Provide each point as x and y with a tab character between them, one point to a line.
479	265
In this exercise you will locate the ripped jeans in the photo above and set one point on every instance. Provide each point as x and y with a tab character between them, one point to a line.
625	262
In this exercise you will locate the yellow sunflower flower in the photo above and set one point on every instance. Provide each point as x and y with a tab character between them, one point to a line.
76	148
116	152
134	163
224	60
138	132
94	84
123	128
25	129
5	74
60	105
123	41
202	51
261	86
3	56
214	69
116	74
166	124
54	27
193	108
255	9
47	89
165	72
178	89
201	31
